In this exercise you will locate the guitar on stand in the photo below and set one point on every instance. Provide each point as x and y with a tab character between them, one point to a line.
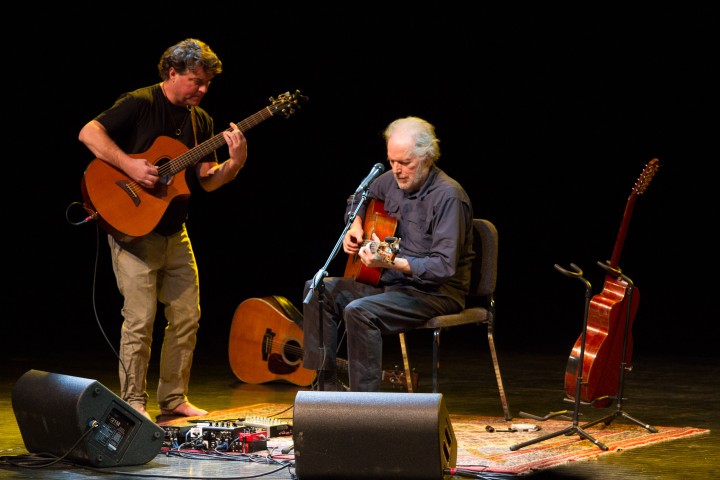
599	358
609	311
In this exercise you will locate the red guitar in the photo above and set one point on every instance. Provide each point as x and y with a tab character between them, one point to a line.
607	316
267	345
383	225
128	210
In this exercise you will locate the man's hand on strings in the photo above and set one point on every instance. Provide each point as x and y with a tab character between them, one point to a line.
367	254
142	171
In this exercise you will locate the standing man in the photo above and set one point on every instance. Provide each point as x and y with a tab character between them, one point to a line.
429	276
160	266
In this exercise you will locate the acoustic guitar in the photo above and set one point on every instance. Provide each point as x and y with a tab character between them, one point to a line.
607	317
266	345
126	209
383	225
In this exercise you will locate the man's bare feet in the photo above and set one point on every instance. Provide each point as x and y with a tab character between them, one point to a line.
186	409
141	409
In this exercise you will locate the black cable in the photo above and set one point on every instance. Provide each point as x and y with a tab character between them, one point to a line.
40	460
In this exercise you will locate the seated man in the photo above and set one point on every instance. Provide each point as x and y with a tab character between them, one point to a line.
429	276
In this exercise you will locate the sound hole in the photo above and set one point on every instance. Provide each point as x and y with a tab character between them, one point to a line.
165	178
292	352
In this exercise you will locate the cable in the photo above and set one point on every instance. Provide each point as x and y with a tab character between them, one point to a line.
40	460
91	214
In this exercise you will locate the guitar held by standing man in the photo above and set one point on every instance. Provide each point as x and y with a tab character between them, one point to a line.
429	276
160	266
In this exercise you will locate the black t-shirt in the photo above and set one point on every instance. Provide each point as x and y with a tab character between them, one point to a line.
135	122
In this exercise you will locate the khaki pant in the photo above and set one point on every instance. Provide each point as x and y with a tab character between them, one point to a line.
153	269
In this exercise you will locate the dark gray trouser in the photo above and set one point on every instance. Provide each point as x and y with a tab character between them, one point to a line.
369	313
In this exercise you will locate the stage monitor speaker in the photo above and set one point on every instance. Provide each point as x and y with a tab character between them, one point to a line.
362	435
82	420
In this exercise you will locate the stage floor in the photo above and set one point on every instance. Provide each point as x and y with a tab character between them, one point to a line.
660	390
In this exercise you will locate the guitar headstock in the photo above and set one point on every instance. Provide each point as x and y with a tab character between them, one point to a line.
646	175
287	103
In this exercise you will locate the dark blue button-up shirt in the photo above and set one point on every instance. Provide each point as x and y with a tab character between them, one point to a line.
435	229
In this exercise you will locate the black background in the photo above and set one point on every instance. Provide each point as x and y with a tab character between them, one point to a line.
546	116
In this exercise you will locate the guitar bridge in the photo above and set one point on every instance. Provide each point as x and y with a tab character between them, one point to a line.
267	343
125	186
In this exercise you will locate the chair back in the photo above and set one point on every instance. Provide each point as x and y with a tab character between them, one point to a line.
484	271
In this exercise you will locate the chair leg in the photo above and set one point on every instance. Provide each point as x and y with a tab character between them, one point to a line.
436	361
496	365
406	363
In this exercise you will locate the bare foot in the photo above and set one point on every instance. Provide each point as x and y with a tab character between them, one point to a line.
141	410
186	409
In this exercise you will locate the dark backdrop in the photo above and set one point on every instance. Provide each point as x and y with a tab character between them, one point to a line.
547	117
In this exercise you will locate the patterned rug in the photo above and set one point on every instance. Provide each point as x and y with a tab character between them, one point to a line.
481	450
490	451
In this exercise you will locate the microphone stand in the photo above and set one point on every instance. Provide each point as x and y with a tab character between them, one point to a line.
318	285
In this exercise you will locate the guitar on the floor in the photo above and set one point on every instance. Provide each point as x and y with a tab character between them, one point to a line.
266	345
126	209
383	225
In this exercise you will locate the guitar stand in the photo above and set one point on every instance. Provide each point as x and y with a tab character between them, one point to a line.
574	428
623	366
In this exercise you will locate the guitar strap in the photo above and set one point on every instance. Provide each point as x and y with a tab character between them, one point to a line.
192	122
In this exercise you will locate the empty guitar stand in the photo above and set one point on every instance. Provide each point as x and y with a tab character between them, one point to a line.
574	428
623	366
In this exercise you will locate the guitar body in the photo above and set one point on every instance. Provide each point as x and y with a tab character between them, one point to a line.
124	208
383	225
266	345
603	344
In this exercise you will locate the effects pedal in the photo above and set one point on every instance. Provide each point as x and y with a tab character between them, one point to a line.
272	427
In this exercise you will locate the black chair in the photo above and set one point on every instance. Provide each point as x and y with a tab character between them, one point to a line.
479	308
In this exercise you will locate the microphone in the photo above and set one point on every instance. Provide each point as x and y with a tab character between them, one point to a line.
374	173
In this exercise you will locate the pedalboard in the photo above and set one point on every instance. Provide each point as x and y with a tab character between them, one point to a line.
242	436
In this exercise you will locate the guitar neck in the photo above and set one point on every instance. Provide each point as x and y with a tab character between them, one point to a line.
639	188
615	259
192	156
